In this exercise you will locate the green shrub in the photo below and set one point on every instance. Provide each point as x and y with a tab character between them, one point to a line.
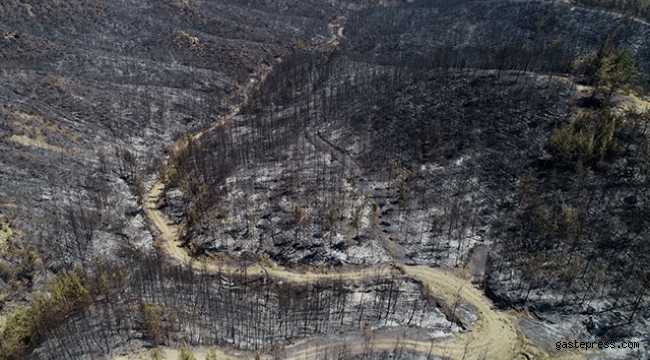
157	320
587	67
617	69
589	139
26	325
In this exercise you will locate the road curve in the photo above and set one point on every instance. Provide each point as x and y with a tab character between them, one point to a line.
495	335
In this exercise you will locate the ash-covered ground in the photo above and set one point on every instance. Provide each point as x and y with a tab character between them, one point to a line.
415	132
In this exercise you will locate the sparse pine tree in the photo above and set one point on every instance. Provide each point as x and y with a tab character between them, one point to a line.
617	69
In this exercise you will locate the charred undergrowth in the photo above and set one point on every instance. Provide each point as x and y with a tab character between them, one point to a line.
158	304
434	148
434	127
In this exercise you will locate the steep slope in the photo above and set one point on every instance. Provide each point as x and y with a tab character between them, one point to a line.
93	91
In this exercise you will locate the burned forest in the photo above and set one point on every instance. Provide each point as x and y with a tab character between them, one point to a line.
324	179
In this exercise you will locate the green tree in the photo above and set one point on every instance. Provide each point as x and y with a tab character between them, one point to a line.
151	320
617	69
588	139
587	67
26	325
157	320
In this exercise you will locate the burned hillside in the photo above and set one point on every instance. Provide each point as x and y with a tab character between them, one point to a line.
392	177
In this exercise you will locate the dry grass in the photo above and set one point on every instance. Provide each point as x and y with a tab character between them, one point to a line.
38	142
30	12
50	127
199	353
185	40
10	35
6	233
633	102
33	131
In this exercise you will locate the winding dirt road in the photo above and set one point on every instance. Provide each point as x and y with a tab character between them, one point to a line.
495	335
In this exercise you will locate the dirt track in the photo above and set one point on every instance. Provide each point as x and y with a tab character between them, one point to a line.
495	335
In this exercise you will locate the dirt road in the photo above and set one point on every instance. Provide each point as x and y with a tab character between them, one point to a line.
495	335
